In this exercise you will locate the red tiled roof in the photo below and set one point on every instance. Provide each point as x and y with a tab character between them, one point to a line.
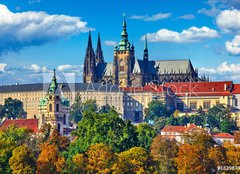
31	124
190	127
236	89
179	129
222	135
201	88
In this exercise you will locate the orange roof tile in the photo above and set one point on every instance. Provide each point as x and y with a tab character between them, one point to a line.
222	135
31	124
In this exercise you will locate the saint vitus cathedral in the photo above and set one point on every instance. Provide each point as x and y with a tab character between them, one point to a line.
126	70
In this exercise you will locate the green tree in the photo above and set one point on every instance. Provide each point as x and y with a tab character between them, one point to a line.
155	110
145	135
22	160
13	108
107	128
227	125
76	109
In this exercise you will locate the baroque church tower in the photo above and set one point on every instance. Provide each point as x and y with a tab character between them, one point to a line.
54	109
123	59
89	74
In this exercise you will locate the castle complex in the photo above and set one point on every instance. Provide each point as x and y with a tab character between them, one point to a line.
127	70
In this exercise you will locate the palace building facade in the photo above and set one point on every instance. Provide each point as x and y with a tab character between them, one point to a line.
127	70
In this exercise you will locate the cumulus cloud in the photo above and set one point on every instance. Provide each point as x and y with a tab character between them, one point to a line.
229	20
110	43
11	74
192	34
224	71
187	17
19	30
233	47
154	17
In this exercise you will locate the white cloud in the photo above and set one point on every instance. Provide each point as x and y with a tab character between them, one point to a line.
154	17
19	30
229	20
110	43
187	17
192	34
11	74
224	71
233	47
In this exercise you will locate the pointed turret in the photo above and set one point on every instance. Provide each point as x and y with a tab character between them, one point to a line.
99	52
53	85
145	54
124	44
89	62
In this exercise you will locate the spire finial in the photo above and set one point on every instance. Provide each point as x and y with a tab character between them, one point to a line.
146	44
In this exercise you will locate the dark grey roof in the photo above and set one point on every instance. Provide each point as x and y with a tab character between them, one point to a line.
169	66
104	69
138	66
65	87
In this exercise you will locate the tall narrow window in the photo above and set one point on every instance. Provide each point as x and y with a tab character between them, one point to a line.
64	119
50	107
57	107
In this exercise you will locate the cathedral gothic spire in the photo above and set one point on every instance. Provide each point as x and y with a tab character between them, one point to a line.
99	52
145	54
89	62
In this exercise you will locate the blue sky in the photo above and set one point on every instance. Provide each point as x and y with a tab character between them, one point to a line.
39	35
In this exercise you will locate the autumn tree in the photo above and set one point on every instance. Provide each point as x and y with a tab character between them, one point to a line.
192	159
164	152
217	156
22	160
237	137
49	160
78	164
10	138
233	154
134	160
100	159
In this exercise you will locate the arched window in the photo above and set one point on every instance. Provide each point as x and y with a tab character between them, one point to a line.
50	107
57	107
64	119
121	66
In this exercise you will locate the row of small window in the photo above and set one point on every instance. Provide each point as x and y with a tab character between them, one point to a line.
131	104
193	105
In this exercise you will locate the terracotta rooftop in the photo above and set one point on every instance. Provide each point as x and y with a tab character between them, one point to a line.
222	135
179	129
31	124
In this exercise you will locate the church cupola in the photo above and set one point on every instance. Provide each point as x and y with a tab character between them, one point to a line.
145	54
99	52
53	85
124	44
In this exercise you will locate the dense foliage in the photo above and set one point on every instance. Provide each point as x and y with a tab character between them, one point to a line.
105	143
12	109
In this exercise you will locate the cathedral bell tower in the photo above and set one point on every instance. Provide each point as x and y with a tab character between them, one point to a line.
123	59
89	73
